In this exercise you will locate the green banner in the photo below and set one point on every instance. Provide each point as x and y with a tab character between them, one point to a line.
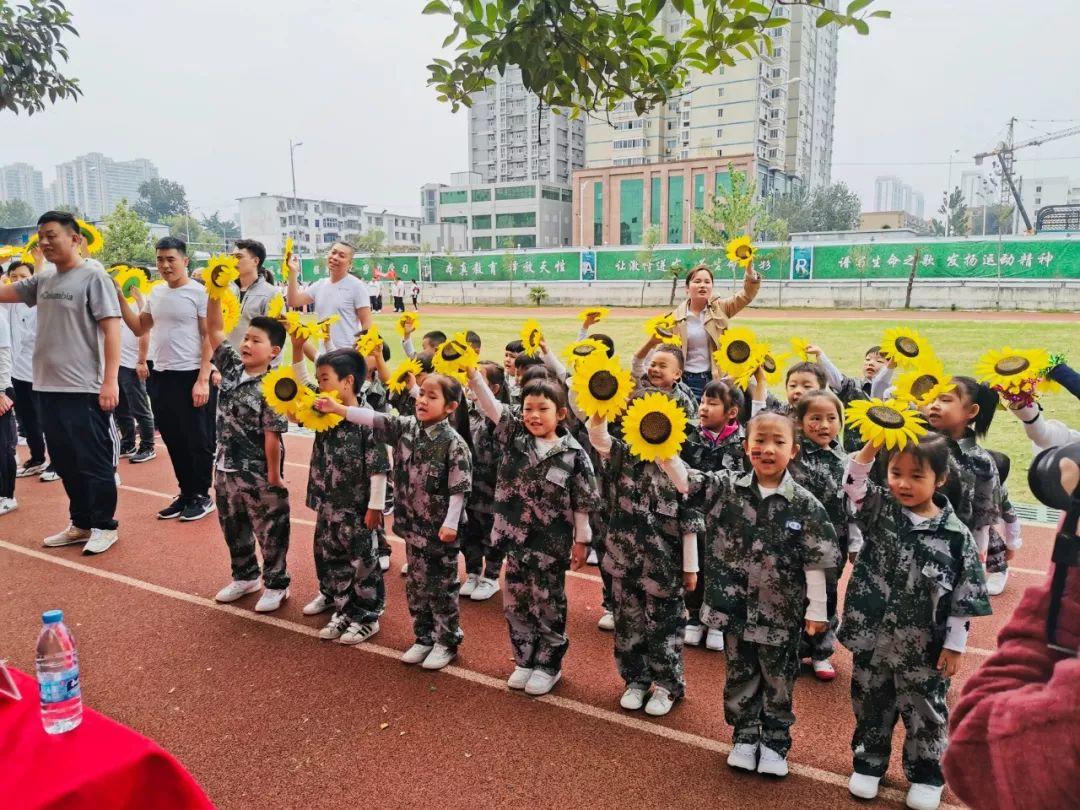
642	265
526	267
404	267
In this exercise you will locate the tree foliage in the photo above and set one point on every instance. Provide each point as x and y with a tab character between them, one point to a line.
226	227
16	213
827	208
955	211
127	237
373	243
732	212
589	55
160	198
31	44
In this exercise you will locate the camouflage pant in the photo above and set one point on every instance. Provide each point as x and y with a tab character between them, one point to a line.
648	637
599	531
821	646
534	602
757	691
431	591
995	553
880	694
249	509
347	566
480	556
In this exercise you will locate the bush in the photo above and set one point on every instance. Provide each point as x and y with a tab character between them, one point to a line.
538	295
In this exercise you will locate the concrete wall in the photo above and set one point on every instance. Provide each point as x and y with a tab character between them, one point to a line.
937	294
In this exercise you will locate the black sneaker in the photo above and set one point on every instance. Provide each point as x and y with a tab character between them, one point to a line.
127	452
197	508
144	453
174	509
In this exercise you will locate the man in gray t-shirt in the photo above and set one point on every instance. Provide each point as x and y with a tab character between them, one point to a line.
76	361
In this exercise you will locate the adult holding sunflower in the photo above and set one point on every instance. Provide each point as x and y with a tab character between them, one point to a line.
702	319
342	294
253	290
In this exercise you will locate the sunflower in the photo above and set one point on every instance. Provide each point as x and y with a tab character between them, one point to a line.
531	336
741	251
219	274
400	378
94	241
654	427
1009	369
9	252
738	355
28	249
662	328
276	308
230	311
315	420
455	358
130	279
284	392
924	383
411	319
295	326
602	386
800	346
905	347
771	363
369	342
890	423
580	349
597	313
6	280
319	331
285	259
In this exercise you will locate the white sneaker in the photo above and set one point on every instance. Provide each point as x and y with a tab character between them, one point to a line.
67	537
743	756
337	625
100	540
485	589
8	505
924	797
692	634
633	698
26	470
995	582
384	563
439	657
519	677
236	589
416	653
405	570
469	585
540	682
320	604
863	785
359	632
660	703
49	475
271	600
771	763
607	621
714	639
592	559
824	670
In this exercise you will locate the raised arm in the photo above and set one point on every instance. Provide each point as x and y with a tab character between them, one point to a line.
485	400
741	300
296	296
215	324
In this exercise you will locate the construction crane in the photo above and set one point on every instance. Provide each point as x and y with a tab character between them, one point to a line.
1004	154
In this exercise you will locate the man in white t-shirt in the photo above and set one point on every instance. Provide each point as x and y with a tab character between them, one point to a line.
342	294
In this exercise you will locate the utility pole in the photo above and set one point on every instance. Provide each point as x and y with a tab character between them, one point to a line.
292	169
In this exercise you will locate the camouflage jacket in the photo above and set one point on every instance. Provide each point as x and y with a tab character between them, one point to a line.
243	416
402	403
975	492
375	396
821	471
702	454
343	459
431	463
536	496
1008	511
682	395
908	580
646	522
757	553
486	455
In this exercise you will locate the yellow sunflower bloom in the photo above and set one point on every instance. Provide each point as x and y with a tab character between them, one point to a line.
654	427
1010	369
531	337
8	252
890	423
662	328
319	331
905	347
577	351
276	308
130	279
400	378
284	392
772	364
455	358
369	342
601	386
738	355
597	313
230	311
924	383
799	346
410	319
289	246
95	243
28	249
219	274
6	280
315	420
741	251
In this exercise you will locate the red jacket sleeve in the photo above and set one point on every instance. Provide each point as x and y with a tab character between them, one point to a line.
1015	732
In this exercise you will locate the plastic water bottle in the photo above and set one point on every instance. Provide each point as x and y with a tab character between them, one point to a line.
58	675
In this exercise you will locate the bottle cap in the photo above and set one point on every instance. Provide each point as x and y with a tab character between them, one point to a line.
52	616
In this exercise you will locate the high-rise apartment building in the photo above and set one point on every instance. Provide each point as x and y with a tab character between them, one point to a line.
21	181
95	183
811	98
893	194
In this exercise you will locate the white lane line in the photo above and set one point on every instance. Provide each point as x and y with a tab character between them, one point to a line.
479	678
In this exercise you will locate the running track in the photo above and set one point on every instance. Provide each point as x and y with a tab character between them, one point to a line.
266	715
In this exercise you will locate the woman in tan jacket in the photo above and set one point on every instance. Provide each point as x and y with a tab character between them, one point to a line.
700	320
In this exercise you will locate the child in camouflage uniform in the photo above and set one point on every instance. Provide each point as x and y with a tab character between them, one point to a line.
375	395
543	495
650	552
1004	538
348	471
432	476
404	402
663	373
716	443
252	501
916	584
770	548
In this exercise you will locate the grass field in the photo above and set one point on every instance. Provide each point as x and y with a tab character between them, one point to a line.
958	343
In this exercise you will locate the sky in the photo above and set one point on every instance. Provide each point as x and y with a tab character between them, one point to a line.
213	93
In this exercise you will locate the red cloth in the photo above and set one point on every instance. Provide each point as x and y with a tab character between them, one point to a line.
100	765
1015	739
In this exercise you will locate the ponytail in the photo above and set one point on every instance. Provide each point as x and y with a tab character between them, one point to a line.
982	395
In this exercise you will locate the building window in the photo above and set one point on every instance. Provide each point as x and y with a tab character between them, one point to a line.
675	209
631	202
699	192
720	91
481	243
522	240
719	133
456	220
452	197
567	195
654	201
549	193
515	193
720	112
482	223
481	194
632	143
598	213
524	219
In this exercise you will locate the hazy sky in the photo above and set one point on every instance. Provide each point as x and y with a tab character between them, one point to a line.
212	91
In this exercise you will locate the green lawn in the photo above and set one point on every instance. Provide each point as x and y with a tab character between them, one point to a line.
958	343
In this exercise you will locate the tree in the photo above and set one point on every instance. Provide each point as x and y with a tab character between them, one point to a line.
937	227
160	198
127	237
955	211
828	208
224	227
589	55
31	37
731	213
372	243
16	213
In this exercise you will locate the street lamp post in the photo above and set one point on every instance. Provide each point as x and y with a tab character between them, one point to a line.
948	191
292	170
